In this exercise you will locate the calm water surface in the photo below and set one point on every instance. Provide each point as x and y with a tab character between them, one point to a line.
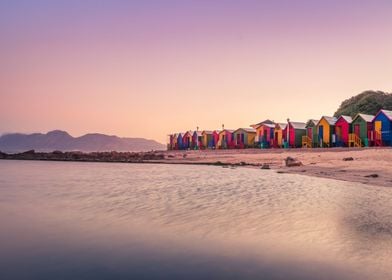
128	221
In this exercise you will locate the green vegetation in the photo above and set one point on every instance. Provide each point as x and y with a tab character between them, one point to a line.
367	102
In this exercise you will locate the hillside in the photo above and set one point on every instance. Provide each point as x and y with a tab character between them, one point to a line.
62	141
367	102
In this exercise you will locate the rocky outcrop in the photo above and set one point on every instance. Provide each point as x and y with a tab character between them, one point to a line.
291	162
80	156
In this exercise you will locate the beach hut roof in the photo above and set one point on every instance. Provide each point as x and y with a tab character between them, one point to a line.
226	130
207	132
311	122
190	132
267	121
298	125
386	113
281	125
271	125
348	119
249	130
366	118
330	120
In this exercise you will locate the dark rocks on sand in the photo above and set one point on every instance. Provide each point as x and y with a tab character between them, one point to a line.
265	166
348	158
291	162
372	176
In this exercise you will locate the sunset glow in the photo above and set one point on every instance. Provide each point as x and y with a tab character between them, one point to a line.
149	68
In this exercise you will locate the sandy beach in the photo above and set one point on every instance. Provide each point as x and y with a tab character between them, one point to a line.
369	166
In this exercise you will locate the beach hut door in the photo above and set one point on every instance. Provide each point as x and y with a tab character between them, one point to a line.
357	130
377	126
310	132
321	134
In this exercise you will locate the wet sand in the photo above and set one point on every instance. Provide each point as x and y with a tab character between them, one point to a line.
371	166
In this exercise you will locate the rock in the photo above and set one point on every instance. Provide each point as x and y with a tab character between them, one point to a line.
265	166
184	155
348	158
280	172
374	175
291	162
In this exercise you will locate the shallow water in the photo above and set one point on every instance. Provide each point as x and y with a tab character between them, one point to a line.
109	221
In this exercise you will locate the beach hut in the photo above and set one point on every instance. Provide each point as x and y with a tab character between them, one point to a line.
310	139
265	134
174	141
226	139
187	140
171	139
362	127
215	138
326	131
278	139
169	142
244	137
294	131
382	128
197	140
179	141
207	139
343	130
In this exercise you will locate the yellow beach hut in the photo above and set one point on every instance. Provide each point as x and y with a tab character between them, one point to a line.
244	138
326	131
278	135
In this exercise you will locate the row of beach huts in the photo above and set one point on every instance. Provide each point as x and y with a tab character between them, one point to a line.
361	131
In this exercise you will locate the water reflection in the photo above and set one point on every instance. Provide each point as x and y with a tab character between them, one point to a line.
69	220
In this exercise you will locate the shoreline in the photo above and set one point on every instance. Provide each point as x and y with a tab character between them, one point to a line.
371	166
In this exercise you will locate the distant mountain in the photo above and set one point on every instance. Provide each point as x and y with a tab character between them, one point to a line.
62	141
367	102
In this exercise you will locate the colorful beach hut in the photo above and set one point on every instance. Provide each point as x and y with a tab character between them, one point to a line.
310	139
326	131
174	141
207	139
179	141
278	139
362	127
226	139
382	128
244	137
265	134
197	140
343	131
171	138
215	138
294	131
187	140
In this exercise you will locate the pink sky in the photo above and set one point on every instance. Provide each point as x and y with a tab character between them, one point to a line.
149	68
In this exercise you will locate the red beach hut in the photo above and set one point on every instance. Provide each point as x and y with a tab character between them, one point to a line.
342	130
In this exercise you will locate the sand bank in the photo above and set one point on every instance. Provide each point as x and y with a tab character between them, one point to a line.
369	165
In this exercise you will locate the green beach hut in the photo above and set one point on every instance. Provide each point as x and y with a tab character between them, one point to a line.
362	127
310	140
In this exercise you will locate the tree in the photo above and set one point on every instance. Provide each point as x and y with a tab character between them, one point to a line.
367	102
